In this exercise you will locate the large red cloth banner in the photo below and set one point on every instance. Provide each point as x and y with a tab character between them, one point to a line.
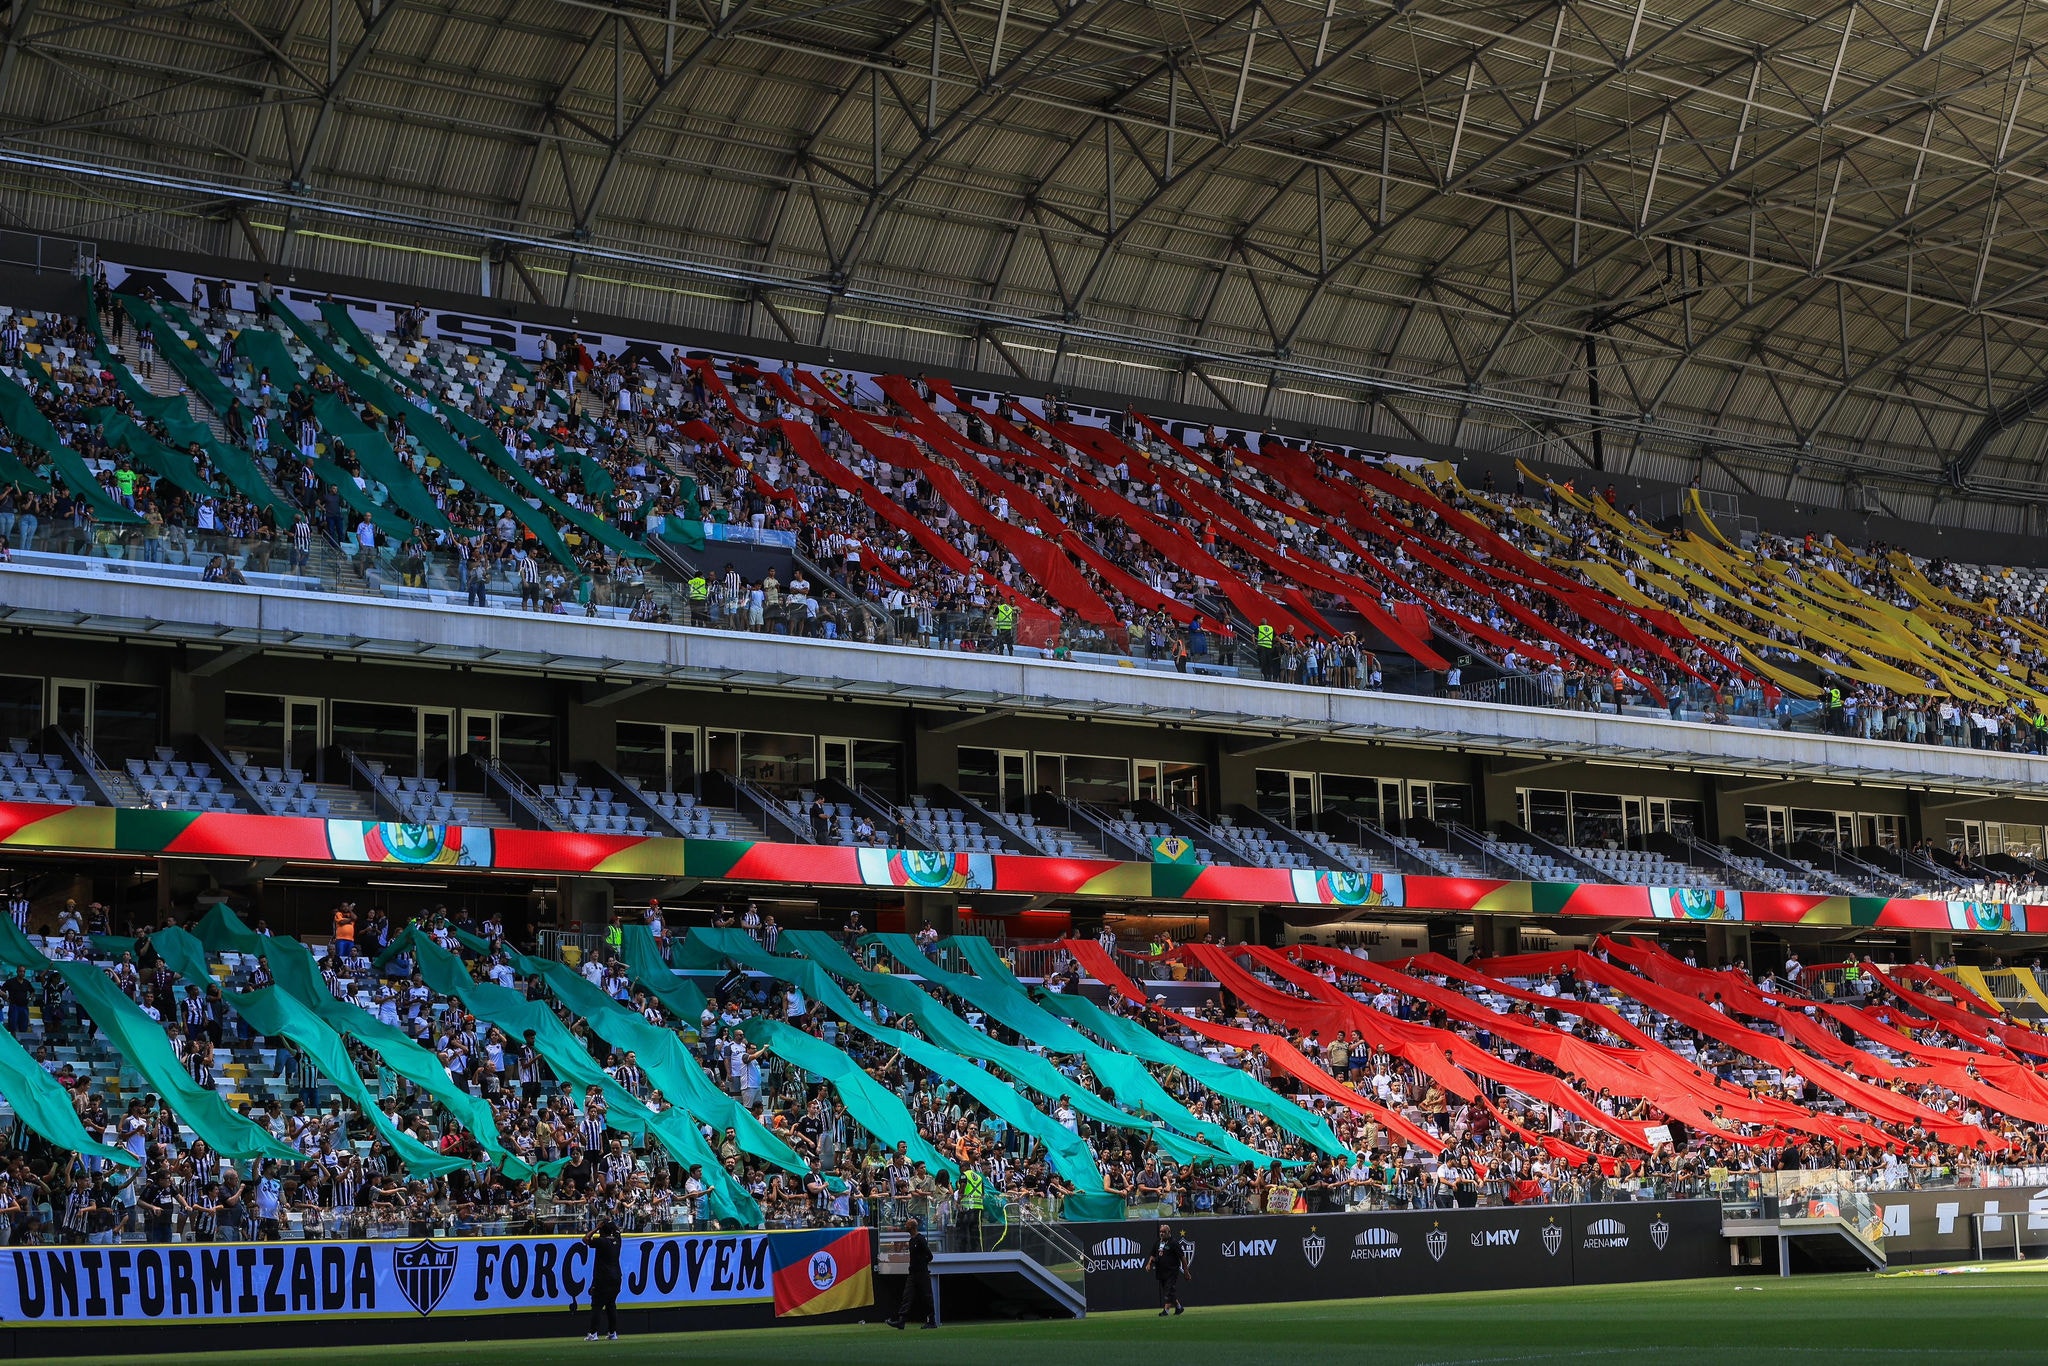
1719	1025
1280	1053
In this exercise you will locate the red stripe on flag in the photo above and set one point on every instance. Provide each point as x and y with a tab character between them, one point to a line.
837	1275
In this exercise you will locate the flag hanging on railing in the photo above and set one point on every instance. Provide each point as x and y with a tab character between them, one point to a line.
823	1272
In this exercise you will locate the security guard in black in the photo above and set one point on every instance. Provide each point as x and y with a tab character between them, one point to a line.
917	1288
1169	1263
605	1279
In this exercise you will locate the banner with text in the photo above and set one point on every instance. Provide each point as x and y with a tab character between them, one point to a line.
428	1277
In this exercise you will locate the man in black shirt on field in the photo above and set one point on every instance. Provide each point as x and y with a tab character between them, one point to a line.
917	1292
605	1278
1169	1263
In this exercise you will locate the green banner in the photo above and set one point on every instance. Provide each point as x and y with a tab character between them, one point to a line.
485	442
659	1051
21	418
457	461
277	1015
949	1031
40	1102
1069	1156
294	970
174	415
673	1128
1232	1083
1123	1075
147	1048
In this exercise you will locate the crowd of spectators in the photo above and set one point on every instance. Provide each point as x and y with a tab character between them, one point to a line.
1492	1143
910	507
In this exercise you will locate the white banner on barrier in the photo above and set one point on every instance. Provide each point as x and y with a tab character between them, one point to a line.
204	1282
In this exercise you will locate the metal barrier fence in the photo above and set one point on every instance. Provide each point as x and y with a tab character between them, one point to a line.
1049	960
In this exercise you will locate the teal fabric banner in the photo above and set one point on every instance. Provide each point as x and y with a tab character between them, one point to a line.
1231	1083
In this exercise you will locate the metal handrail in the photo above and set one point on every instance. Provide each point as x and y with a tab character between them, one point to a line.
383	795
884	626
520	790
1461	841
1030	1215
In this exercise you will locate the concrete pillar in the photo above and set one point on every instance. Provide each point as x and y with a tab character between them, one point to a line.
1219	922
1726	944
939	910
1236	775
584	903
1488	805
1931	945
1724	809
1240	925
183	706
1495	936
933	759
590	735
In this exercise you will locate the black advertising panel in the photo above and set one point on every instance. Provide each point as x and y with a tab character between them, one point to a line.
1270	1259
1651	1241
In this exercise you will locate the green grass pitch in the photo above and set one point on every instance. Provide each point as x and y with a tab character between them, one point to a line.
1756	1321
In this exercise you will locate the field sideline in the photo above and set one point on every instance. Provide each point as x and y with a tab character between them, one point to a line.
1725	1322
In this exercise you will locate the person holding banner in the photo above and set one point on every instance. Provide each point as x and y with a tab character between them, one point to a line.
605	1278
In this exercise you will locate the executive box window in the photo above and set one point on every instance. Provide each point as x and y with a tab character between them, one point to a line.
1831	828
378	731
995	777
1450	802
254	725
663	758
1285	796
1547	813
127	721
1086	777
777	761
1686	819
1769	826
1169	783
1597	820
526	745
1359	798
21	707
878	766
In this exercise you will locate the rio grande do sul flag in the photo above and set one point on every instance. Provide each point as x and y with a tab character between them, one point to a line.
822	1272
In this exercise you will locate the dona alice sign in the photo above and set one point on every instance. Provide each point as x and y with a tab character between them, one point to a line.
203	1282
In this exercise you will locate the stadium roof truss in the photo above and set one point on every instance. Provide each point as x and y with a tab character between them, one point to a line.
1799	246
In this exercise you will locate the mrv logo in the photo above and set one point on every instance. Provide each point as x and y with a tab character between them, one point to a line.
1497	1237
1376	1245
1249	1247
1605	1233
1117	1254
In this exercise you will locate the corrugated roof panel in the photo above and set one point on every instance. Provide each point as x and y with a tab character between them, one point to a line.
1706	263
